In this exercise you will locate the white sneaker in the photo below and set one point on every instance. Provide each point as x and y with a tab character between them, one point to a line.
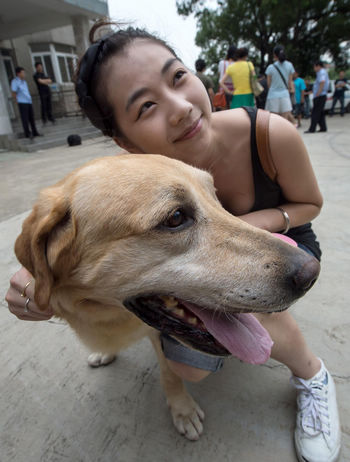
317	433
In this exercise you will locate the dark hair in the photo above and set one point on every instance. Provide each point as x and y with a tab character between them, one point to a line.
241	52
39	63
231	52
200	65
279	52
91	94
318	63
19	69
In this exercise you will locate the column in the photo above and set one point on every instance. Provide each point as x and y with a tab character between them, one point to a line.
81	27
5	124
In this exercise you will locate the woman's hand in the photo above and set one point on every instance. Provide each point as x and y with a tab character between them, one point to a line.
20	298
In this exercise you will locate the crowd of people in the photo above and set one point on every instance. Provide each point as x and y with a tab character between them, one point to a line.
166	109
283	91
23	98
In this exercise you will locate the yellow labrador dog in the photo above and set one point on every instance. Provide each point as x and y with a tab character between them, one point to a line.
127	246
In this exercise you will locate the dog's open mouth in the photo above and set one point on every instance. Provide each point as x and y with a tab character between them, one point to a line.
213	332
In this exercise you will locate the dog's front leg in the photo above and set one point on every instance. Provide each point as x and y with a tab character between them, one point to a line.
187	415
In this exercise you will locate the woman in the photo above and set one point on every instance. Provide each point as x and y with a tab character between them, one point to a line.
280	83
240	73
165	109
223	65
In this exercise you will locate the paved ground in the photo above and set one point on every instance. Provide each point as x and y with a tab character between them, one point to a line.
54	408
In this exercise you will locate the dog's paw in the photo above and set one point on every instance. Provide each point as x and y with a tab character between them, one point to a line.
100	359
187	416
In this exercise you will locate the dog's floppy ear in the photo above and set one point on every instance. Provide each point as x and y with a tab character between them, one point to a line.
48	231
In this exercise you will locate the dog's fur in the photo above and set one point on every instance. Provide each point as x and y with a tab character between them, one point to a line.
103	235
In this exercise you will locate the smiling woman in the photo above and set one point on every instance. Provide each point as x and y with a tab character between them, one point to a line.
141	110
134	88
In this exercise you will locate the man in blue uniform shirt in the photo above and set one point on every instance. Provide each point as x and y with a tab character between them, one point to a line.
21	94
320	89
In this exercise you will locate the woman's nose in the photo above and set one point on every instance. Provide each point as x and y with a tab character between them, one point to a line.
180	109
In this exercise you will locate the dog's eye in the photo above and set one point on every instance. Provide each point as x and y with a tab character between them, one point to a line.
176	220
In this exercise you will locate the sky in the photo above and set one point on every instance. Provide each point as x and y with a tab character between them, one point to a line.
160	17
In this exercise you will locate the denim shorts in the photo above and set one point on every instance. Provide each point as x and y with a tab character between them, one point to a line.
175	351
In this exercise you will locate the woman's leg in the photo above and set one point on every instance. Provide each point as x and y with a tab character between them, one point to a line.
188	373
290	347
289	116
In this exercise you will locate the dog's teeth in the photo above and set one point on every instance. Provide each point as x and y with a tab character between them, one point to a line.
180	312
170	302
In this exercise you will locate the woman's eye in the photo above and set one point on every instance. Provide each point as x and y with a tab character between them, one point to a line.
144	107
176	219
178	75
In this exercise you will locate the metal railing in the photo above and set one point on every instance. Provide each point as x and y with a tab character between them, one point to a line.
64	104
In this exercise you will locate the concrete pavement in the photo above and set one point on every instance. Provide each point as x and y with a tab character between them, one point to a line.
54	408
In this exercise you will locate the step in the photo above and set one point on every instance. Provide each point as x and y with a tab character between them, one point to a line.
53	134
55	128
60	135
33	146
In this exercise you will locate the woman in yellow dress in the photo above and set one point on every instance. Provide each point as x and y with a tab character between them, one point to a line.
240	72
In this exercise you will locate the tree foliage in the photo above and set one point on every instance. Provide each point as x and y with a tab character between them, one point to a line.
308	29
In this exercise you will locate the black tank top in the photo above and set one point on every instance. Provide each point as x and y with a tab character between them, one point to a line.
268	194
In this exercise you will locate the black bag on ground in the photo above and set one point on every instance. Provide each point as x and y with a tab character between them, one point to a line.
74	140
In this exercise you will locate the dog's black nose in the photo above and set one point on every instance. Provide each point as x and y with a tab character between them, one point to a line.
306	276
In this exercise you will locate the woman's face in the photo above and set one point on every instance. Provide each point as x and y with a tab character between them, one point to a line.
159	105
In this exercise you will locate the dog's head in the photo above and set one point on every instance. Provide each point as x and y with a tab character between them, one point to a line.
148	233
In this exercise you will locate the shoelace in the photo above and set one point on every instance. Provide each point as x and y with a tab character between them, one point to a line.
313	406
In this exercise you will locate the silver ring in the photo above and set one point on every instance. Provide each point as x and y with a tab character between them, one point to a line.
26	309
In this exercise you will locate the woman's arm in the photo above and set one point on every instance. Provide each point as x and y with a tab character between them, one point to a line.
291	84
268	79
295	177
222	83
251	68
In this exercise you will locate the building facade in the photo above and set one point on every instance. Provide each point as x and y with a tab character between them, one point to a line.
53	32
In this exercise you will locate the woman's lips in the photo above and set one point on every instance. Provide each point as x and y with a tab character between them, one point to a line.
191	131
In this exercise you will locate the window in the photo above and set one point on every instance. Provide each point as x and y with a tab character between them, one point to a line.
10	72
46	61
63	69
66	64
58	60
47	65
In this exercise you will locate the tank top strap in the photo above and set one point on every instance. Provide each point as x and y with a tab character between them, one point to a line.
267	192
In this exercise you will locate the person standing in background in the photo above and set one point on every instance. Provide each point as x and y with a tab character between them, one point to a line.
261	99
43	81
223	65
320	90
299	87
240	72
280	83
307	93
200	65
339	93
20	93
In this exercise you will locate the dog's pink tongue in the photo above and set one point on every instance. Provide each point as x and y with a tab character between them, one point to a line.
241	334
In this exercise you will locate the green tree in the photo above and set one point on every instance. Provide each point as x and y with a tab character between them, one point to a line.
307	29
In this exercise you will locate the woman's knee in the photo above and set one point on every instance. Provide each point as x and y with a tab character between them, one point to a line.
188	373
